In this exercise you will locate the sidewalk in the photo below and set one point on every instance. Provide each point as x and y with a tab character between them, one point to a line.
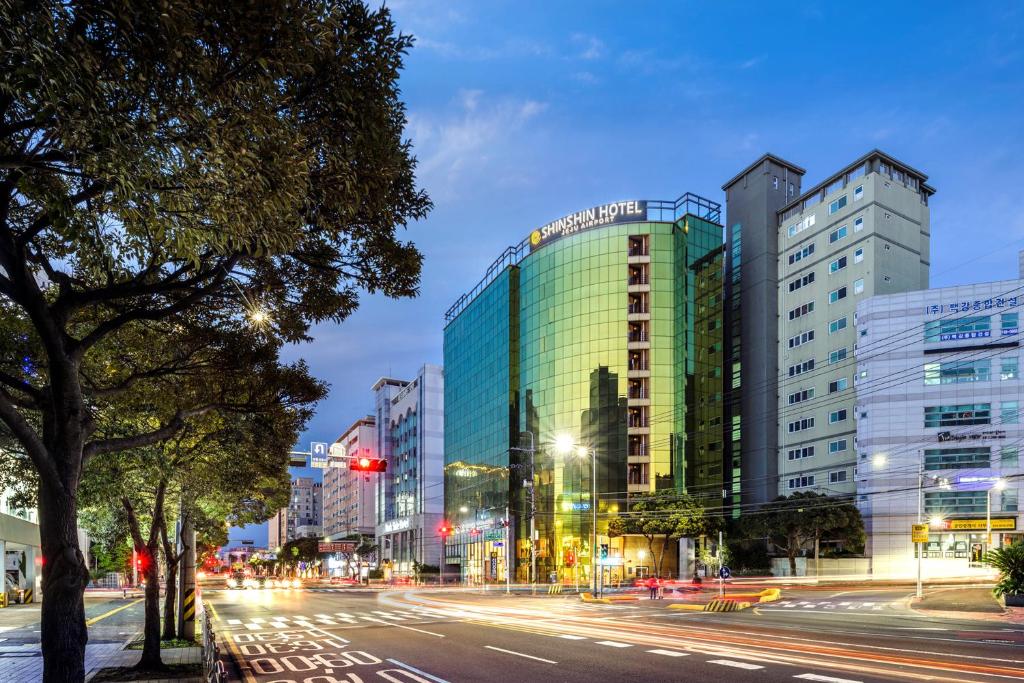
975	600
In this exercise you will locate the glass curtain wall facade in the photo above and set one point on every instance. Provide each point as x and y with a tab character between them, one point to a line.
587	339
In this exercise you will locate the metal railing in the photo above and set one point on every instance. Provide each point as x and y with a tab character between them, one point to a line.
213	667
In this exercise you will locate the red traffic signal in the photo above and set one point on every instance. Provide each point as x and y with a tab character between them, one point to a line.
368	464
444	530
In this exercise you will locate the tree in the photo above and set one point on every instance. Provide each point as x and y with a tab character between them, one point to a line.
166	164
662	516
804	518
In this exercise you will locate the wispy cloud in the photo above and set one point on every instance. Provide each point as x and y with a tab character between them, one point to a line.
590	47
516	48
452	146
752	62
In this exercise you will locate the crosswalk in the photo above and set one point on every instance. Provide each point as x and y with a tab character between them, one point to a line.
322	619
834	605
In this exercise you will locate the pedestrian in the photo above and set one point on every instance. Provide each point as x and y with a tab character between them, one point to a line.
652	586
661	589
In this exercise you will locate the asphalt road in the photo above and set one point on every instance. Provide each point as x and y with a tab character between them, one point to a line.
323	636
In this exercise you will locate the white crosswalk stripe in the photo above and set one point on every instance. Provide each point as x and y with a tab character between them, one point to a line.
735	665
388	615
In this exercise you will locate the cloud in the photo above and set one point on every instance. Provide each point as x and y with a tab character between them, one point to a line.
752	62
453	146
516	48
591	47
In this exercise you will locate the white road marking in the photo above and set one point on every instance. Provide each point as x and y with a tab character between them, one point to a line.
738	665
258	620
569	636
328	622
388	615
417	671
234	621
842	604
613	643
418	630
253	627
519	654
825	679
669	653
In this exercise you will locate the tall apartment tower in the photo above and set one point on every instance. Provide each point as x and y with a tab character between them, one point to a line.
860	232
750	282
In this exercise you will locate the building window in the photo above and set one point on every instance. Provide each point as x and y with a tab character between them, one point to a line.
836	294
1008	368
837	446
836	205
801	338
801	368
801	254
1007	457
800	453
837	234
801	310
1008	324
974	327
836	356
837	477
838	385
858	193
837	416
800	396
1008	412
837	265
801	281
836	325
957	372
949	503
957	458
858	224
801	482
801	424
965	414
801	226
858	285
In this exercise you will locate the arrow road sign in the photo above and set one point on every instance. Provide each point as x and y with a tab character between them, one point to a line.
724	573
318	454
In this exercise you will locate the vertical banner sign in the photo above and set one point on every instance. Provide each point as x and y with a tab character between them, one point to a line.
318	454
919	533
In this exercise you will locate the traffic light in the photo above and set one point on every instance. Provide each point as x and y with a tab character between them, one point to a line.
445	529
369	464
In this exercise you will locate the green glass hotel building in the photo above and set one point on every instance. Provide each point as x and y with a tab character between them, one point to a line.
582	333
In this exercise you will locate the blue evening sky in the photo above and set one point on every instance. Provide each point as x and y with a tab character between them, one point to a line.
521	112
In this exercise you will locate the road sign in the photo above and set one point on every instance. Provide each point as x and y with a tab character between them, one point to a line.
494	535
336	547
724	572
919	533
318	454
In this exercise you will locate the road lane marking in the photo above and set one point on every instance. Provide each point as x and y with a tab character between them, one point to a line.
613	643
417	671
569	636
825	679
257	620
418	630
92	621
737	665
670	653
519	654
234	621
388	615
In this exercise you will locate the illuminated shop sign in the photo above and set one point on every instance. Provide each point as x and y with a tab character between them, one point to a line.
972	436
1000	524
393	525
972	305
606	214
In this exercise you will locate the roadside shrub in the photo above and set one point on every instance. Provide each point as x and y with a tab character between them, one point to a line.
1009	560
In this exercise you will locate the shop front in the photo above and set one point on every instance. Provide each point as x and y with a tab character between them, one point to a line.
965	541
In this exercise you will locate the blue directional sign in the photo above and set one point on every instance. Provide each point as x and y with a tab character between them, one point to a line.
318	454
724	572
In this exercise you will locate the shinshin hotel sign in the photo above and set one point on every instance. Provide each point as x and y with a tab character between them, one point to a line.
607	214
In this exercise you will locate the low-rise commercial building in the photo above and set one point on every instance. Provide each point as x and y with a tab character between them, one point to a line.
938	393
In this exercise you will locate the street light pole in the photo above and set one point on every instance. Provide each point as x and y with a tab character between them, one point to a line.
533	507
508	553
920	506
593	510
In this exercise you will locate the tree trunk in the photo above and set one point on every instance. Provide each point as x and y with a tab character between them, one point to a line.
151	630
171	588
65	576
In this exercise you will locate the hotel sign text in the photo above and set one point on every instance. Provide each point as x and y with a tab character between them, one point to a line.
607	214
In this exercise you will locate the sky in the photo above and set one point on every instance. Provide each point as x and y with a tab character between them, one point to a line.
521	112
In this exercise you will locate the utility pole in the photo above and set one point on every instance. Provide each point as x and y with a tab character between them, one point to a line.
187	577
508	553
920	506
533	508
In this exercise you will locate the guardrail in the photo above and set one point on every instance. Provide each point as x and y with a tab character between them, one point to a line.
213	667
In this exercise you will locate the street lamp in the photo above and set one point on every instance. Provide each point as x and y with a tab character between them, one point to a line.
564	444
999	485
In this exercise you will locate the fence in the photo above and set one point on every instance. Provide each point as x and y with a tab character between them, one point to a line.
213	667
